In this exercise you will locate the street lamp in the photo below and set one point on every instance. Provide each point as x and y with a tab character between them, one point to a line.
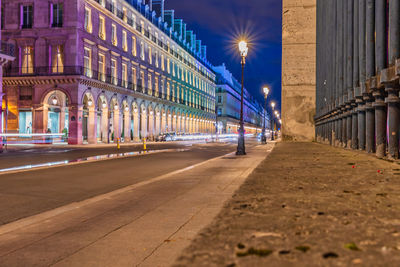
263	137
243	49
272	120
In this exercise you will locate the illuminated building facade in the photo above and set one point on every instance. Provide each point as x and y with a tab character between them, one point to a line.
103	69
228	105
6	55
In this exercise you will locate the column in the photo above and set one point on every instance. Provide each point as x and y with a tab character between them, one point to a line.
116	123
127	125
361	126
104	125
392	88
380	64
136	119
92	125
75	124
158	122
163	123
143	118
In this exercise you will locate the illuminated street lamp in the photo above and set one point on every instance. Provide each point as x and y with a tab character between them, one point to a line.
272	120
243	49
266	92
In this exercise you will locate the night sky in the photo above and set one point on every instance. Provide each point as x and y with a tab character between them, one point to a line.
219	22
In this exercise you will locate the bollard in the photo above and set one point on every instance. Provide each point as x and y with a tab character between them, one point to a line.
118	144
144	144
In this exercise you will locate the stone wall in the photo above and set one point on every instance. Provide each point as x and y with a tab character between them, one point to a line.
298	69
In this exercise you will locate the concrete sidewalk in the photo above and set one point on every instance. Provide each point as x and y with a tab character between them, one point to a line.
307	204
145	224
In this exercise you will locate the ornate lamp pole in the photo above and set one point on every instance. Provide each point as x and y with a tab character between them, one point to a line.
243	49
263	137
272	120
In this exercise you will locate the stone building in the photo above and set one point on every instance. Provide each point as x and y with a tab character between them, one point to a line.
298	69
6	55
228	105
103	69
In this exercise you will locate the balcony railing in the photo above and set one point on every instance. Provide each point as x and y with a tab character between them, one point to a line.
96	75
7	49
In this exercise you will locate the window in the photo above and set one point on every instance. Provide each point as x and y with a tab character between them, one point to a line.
142	26
25	122
58	59
114	35
168	66
102	28
27	16
88	19
142	79
150	55
87	62
57	15
27	60
142	50
133	20
102	68
134	51
102	2
149	82
124	41
219	99
156	85
114	74
124	16
124	75
134	79
113	6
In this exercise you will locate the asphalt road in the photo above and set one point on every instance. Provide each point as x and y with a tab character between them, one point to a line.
40	154
32	192
137	211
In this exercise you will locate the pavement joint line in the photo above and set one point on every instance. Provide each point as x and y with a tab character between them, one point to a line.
61	163
28	221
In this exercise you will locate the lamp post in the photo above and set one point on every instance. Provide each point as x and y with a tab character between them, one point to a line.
277	117
263	137
272	120
243	49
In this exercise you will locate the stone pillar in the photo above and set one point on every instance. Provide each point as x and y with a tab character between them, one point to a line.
143	118
169	119
105	124
361	126
127	125
179	123
158	123
163	122
92	126
354	129
393	103
75	124
380	123
151	124
173	128
116	123
136	127
349	127
298	80
370	125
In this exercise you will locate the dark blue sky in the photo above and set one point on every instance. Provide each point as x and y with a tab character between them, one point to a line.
218	22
